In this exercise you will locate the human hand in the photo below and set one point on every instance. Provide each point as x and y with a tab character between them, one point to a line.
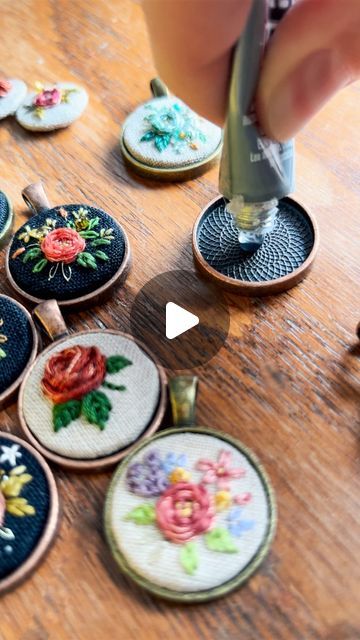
314	52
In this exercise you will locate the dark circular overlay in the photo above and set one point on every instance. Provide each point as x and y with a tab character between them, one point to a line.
284	249
16	342
20	534
196	346
83	280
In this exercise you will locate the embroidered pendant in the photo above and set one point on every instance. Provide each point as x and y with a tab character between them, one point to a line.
74	253
29	510
90	396
164	139
53	107
12	93
6	217
18	346
190	513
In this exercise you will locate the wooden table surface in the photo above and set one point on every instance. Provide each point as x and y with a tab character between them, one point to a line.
286	383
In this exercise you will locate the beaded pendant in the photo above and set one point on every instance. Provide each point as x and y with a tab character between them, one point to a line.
90	396
74	253
29	508
190	513
164	139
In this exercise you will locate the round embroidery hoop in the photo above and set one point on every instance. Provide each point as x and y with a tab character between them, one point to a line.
166	173
182	393
37	201
146	386
7	394
284	259
6	218
50	525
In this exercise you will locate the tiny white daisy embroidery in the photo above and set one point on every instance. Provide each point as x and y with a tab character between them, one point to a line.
10	454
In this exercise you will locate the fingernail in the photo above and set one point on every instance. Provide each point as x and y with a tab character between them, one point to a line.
304	91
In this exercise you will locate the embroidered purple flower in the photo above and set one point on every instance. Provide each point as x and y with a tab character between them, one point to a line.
236	524
47	98
147	478
219	472
173	461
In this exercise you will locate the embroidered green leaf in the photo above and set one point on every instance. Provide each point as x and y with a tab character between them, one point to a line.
93	223
88	234
40	265
113	387
143	514
116	363
101	255
189	557
2	353
149	135
162	141
202	136
100	241
65	413
96	408
31	254
219	539
86	260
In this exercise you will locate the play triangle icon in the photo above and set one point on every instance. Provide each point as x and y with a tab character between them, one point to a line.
178	320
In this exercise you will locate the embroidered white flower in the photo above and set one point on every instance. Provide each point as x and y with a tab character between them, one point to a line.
10	454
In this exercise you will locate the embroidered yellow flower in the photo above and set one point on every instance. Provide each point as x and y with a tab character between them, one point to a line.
179	475
11	486
222	500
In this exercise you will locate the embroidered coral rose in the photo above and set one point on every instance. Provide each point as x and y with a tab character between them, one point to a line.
184	511
5	87
62	245
2	508
72	373
47	98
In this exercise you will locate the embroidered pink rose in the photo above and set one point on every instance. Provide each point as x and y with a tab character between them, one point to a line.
47	98
184	511
62	245
72	373
2	508
219	472
5	87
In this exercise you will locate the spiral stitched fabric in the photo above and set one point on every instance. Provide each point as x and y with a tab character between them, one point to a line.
83	280
19	344
132	409
151	532
4	211
20	534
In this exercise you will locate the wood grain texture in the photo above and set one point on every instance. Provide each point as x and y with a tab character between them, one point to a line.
286	383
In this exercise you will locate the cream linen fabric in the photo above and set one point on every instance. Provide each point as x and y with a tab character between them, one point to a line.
152	557
132	409
57	117
135	127
10	102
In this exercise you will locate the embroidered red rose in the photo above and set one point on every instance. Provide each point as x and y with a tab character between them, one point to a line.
2	508
62	245
184	511
5	87
72	373
47	98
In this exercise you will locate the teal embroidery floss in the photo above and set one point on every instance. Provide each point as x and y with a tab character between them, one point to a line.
174	124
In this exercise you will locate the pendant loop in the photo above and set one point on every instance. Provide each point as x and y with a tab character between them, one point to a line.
158	88
50	318
183	392
35	197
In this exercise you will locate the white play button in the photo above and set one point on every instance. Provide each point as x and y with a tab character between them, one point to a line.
178	320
